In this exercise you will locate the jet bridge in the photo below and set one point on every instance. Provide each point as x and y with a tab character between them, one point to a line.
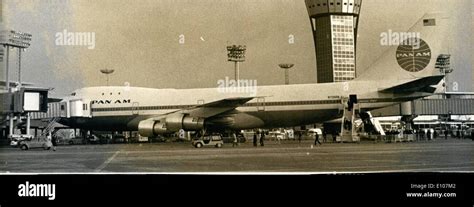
19	104
66	109
48	120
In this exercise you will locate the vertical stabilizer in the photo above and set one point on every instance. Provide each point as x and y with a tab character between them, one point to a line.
412	54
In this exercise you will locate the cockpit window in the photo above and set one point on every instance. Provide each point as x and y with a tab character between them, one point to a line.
73	94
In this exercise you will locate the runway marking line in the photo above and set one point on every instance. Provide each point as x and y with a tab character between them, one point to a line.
103	165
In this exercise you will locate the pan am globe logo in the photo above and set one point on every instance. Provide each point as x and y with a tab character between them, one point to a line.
413	55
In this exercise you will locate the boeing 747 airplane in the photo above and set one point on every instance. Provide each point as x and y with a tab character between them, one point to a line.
405	72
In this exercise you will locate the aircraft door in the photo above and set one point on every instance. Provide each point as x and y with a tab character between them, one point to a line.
261	104
86	106
135	108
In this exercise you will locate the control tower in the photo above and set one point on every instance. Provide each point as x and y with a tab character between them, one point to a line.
334	24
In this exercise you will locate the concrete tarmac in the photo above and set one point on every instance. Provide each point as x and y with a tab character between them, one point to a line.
439	155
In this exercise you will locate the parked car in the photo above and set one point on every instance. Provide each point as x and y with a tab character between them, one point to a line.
315	130
20	137
468	133
228	138
15	139
93	139
118	139
39	142
277	135
210	140
76	140
14	143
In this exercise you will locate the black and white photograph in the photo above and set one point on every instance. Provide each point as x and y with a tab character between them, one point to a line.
237	88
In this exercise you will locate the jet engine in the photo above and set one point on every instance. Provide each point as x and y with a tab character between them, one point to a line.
169	124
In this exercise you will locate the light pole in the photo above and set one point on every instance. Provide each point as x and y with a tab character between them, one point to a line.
107	72
20	40
286	67
444	66
236	54
447	120
15	39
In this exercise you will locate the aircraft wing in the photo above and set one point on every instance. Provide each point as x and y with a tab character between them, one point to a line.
210	109
424	84
214	108
192	117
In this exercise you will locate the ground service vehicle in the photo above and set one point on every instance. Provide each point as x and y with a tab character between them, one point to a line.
17	138
210	140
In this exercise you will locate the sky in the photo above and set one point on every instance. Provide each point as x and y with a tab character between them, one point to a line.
140	40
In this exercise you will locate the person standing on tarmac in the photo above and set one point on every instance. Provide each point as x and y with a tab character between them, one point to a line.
54	142
472	135
235	141
262	138
316	139
255	139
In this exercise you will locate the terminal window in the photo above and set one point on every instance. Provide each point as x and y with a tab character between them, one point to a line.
343	48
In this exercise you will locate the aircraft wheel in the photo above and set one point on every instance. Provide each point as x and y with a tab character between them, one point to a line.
24	147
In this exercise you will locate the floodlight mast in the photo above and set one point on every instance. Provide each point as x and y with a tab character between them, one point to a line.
20	40
107	72
236	54
443	64
286	67
14	39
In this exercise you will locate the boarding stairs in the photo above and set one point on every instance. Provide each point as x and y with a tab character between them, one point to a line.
350	114
371	125
50	127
